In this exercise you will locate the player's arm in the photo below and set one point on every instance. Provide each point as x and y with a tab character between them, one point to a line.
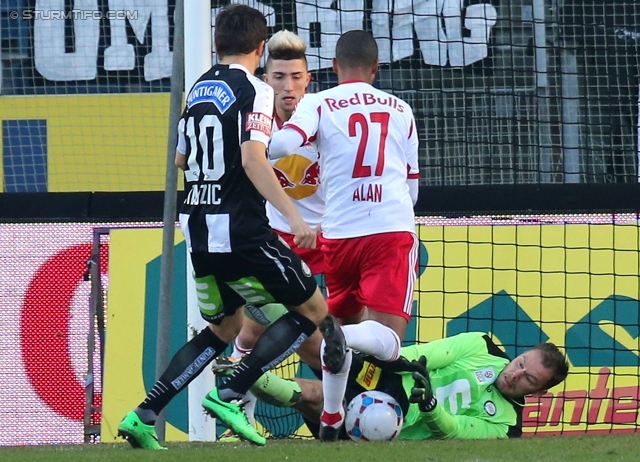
261	174
256	121
297	131
284	142
444	426
413	171
181	158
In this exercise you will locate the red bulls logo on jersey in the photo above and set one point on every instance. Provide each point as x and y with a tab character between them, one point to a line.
298	175
284	180
311	175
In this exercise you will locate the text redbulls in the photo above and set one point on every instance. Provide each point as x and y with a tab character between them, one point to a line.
364	99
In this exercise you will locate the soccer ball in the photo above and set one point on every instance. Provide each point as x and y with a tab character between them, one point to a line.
373	416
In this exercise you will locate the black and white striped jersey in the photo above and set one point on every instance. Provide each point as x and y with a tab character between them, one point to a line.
223	211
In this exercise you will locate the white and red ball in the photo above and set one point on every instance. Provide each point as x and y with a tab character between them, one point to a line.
373	416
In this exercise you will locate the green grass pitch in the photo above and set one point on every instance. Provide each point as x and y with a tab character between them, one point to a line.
616	447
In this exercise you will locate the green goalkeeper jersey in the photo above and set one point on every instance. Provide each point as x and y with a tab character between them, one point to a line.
463	369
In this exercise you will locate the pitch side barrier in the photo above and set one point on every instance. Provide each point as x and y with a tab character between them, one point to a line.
432	200
527	263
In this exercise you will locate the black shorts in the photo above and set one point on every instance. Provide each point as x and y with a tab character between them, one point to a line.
365	376
268	273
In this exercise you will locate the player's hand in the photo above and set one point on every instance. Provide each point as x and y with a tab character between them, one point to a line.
422	393
303	235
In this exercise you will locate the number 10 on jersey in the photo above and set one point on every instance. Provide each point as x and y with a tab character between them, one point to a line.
206	155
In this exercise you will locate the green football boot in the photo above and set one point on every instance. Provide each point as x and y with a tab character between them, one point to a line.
137	433
228	436
233	416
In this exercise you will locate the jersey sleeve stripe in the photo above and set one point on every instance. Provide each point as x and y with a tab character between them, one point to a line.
415	175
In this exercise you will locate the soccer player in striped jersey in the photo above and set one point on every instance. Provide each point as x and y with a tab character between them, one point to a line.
462	386
368	158
237	257
287	73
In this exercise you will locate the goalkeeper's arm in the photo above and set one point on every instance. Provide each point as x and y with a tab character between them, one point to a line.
445	426
438	421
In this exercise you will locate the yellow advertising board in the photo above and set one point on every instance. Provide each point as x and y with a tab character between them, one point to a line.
110	142
134	262
576	285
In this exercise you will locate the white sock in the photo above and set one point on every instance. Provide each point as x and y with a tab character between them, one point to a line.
372	338
249	398
250	401
335	385
238	351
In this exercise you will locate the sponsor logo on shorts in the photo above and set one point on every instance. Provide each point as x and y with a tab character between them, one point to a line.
258	121
306	270
490	408
369	376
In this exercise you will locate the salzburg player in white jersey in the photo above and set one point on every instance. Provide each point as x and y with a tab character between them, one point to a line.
368	156
299	173
287	73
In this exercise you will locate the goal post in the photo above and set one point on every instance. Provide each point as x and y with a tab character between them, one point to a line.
197	60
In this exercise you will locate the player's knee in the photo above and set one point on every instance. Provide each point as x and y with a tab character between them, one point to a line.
249	334
315	308
229	328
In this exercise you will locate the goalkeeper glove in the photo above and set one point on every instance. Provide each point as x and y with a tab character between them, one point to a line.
422	393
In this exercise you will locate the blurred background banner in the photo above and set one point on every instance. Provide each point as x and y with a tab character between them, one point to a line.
518	92
44	322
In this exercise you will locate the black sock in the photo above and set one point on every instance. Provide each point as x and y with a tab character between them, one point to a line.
277	343
185	366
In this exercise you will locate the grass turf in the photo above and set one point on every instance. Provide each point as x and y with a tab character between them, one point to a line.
616	447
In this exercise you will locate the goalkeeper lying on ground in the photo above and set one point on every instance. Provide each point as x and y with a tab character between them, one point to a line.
458	387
